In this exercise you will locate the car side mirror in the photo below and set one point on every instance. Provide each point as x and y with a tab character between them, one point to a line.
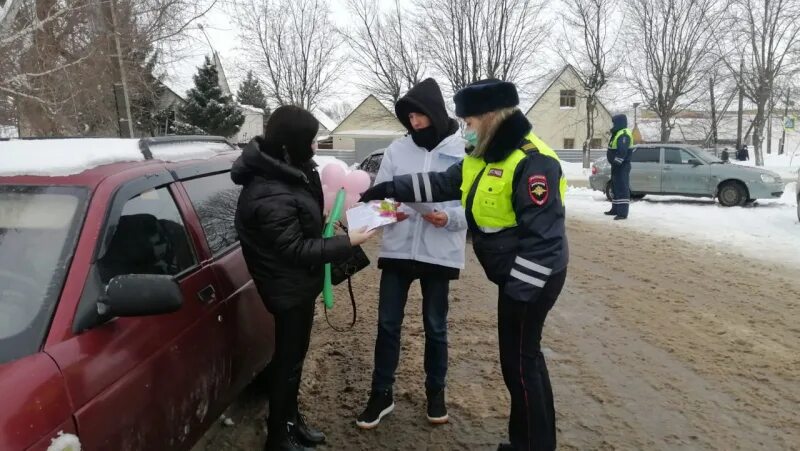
695	163
140	295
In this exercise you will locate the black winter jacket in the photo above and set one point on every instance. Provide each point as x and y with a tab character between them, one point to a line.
280	222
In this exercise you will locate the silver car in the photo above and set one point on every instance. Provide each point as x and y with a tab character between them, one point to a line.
677	169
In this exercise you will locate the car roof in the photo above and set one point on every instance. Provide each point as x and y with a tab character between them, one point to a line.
88	161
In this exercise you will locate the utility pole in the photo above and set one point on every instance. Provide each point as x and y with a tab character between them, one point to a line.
713	112
741	108
785	115
118	67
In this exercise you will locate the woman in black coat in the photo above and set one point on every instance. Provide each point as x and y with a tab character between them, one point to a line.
280	222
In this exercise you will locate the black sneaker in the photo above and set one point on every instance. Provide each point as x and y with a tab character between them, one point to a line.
379	405
437	410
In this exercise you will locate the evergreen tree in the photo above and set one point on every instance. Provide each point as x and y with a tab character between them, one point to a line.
207	108
250	93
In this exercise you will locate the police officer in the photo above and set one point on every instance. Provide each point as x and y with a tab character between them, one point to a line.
619	155
512	189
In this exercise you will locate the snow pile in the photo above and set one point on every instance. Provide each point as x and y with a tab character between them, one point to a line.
191	150
61	157
65	442
767	230
575	171
8	131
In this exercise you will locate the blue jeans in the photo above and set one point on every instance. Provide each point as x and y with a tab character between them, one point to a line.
391	310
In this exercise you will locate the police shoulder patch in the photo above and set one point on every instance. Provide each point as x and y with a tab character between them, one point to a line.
538	189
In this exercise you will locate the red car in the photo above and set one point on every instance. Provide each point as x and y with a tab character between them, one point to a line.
128	319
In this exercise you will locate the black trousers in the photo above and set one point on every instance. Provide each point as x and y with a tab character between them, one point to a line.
292	337
532	424
621	189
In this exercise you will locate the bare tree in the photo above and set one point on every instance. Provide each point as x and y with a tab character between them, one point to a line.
765	42
670	44
595	57
338	110
467	40
58	58
294	44
388	55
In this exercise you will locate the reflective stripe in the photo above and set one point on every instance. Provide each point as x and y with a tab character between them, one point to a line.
533	266
621	201
415	182
426	179
491	229
527	279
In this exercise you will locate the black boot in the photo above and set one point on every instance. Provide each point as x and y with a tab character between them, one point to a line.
304	433
610	213
282	439
437	409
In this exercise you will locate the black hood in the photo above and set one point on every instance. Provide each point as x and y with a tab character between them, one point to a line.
426	98
619	122
507	138
256	161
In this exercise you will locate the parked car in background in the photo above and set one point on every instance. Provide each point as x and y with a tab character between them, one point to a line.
372	164
675	169
797	188
128	318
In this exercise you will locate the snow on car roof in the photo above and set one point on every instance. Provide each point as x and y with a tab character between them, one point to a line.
63	157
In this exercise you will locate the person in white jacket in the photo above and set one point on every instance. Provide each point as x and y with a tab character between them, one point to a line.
426	245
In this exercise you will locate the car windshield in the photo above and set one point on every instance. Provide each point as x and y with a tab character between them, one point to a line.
704	155
38	232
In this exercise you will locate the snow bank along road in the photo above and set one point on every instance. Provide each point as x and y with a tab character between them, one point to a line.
667	345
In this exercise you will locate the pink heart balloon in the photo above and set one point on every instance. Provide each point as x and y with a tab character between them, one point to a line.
333	176
357	182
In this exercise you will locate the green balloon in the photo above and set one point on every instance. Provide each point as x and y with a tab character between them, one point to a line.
335	214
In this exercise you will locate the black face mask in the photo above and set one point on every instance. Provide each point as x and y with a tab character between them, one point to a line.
427	138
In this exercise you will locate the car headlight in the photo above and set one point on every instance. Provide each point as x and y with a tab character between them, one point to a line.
766	178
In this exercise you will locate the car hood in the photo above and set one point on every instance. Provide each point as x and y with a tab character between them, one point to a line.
741	171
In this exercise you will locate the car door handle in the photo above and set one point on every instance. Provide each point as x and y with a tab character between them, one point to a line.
207	295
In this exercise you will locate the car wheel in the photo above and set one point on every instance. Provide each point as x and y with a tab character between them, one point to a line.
609	192
731	194
637	196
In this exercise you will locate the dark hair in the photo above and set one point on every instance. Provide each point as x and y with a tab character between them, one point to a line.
290	131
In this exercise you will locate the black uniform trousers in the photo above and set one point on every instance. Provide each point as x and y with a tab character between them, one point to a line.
621	189
292	337
532	424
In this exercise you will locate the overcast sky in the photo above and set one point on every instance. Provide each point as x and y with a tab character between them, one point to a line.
223	36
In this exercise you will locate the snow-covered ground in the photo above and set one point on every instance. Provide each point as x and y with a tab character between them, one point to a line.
768	230
786	165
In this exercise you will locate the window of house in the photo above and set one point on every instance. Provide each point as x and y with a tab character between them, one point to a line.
596	143
568	98
215	198
150	238
569	143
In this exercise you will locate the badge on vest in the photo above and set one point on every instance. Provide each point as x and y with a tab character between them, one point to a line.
496	172
538	189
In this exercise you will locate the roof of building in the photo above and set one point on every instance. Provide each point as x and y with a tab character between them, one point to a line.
367	132
324	119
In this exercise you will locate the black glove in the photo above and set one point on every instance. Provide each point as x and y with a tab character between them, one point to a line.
380	191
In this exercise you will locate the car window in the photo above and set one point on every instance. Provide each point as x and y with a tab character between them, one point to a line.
646	155
673	155
373	163
215	198
150	238
39	228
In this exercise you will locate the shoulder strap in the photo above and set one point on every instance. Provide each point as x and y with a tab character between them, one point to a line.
528	146
355	313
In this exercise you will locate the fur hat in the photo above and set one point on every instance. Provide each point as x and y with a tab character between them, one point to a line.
485	96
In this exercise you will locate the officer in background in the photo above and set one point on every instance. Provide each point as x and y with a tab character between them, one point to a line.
512	189
619	156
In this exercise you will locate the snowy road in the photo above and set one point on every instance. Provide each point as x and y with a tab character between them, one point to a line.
768	230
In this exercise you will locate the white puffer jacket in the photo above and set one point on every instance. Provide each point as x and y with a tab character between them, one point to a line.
416	238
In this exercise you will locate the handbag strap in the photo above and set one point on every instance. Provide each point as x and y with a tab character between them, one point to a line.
355	312
352	299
